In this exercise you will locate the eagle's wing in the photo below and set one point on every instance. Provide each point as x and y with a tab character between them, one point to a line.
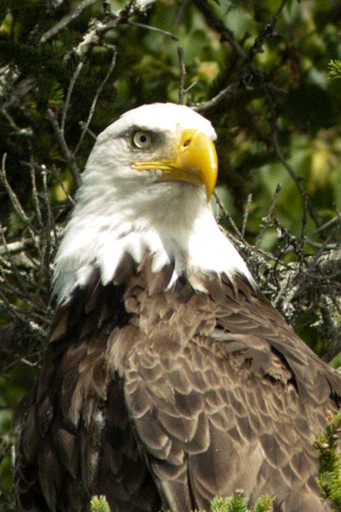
156	396
75	437
225	396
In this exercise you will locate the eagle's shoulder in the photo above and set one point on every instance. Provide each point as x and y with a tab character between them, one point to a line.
148	375
141	309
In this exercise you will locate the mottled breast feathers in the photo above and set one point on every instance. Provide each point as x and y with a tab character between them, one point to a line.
163	398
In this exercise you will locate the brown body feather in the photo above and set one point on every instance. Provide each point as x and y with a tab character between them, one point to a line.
164	398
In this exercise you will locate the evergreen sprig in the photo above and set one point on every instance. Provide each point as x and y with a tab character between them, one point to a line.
334	69
235	503
238	503
263	504
329	480
99	504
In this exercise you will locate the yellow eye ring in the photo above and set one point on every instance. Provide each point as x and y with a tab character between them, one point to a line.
142	139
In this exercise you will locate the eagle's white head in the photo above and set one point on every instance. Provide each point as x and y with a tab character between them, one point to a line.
146	187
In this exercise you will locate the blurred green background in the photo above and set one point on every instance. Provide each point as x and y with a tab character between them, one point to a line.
277	73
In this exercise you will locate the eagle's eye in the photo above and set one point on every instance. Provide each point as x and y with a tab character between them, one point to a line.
142	139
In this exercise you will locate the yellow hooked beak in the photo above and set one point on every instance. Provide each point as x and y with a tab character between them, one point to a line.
195	161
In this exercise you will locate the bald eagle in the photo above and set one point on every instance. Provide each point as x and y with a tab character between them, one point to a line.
169	378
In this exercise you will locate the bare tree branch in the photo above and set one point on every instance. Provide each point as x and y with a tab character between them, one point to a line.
64	22
69	156
182	68
94	101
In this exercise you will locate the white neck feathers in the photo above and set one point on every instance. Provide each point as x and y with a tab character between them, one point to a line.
174	226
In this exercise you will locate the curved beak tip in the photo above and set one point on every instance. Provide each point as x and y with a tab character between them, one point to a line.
198	157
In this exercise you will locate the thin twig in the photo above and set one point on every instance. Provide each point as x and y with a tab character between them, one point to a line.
21	294
68	155
227	215
267	219
246	214
72	83
13	247
267	31
214	102
50	217
106	8
301	241
247	71
217	24
291	172
326	225
180	12
90	132
275	144
94	101
11	263
317	245
98	28
19	209
182	74
190	87
15	312
36	202
48	246
56	174
153	29
64	22
15	201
